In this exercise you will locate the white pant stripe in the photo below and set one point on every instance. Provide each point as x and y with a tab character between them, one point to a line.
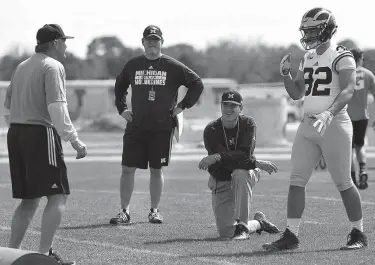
51	148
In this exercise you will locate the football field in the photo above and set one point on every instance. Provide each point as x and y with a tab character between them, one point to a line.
188	234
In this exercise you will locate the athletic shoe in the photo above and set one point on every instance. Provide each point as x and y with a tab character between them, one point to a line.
288	240
241	232
155	217
122	218
52	254
363	181
356	240
265	225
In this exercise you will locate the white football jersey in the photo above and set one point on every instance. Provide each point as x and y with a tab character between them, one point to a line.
322	77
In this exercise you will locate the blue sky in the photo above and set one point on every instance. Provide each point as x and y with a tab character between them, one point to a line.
197	22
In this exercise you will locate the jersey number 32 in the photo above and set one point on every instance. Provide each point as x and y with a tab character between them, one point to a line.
314	78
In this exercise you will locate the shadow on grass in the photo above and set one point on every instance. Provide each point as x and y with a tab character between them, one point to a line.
93	226
185	240
260	253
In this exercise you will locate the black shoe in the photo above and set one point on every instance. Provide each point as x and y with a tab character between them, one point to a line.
241	232
122	218
288	240
356	240
265	225
363	181
52	254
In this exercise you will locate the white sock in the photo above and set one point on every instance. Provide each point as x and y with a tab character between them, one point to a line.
253	226
293	225
358	225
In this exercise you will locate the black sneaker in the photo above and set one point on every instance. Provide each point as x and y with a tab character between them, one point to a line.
356	240
363	181
52	254
122	218
288	240
265	225
241	232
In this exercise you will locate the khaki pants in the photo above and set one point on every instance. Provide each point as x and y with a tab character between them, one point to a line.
231	200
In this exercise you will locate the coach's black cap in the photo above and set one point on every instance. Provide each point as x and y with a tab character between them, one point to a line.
152	31
50	32
232	96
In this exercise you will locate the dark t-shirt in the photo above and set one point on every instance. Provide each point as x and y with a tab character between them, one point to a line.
241	149
163	76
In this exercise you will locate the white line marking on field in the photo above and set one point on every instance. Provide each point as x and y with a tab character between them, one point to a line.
126	249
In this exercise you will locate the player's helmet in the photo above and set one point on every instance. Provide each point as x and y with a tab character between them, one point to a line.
317	26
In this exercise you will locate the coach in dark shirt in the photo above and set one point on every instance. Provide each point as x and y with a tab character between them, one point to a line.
155	79
230	142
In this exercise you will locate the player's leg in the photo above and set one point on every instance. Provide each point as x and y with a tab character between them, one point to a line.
134	155
47	175
243	182
337	140
159	152
21	220
25	211
57	192
305	156
223	206
353	157
51	220
361	153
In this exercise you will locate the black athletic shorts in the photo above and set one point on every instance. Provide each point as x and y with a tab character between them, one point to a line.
143	148
36	161
359	132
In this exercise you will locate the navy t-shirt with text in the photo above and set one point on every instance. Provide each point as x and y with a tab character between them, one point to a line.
165	75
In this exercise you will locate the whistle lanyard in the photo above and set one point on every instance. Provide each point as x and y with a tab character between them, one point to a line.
157	67
225	135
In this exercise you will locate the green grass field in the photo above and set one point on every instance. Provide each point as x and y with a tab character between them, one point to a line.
188	235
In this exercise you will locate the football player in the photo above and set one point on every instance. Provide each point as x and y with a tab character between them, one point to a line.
326	77
358	113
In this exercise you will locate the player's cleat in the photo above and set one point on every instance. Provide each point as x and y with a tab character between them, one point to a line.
122	218
265	225
356	240
155	217
241	232
288	240
52	254
362	184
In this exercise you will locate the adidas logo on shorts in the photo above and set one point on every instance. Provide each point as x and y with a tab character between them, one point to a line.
54	186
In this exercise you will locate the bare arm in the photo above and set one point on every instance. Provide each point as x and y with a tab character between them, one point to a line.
347	84
296	87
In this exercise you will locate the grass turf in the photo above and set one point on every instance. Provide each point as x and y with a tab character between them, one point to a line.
188	234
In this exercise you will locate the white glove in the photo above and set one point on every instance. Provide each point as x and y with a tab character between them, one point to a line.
322	121
286	65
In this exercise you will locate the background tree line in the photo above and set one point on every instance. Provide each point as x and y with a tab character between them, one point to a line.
257	63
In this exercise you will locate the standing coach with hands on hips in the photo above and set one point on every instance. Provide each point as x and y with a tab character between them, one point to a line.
230	142
155	79
38	116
